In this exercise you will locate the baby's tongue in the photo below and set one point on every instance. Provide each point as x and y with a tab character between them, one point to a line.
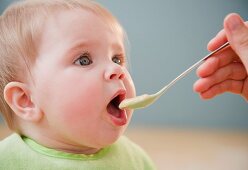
113	110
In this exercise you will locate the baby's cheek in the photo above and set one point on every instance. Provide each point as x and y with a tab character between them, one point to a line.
75	118
80	106
129	85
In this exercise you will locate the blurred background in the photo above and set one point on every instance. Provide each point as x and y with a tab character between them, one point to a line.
180	131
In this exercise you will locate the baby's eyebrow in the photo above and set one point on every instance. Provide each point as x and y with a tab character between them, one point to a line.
118	47
74	49
85	44
79	45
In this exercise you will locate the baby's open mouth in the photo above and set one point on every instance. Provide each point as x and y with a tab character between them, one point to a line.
113	106
118	115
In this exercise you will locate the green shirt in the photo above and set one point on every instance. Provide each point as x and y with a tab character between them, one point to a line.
17	153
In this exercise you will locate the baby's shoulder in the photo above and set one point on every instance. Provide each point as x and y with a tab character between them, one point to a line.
133	153
10	147
128	145
124	141
9	142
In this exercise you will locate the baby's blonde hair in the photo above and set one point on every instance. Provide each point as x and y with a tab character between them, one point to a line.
21	26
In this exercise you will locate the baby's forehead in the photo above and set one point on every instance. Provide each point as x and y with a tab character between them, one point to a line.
74	17
66	30
76	23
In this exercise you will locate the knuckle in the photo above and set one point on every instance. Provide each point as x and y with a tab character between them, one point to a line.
244	42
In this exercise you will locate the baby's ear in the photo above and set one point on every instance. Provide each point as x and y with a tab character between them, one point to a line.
18	97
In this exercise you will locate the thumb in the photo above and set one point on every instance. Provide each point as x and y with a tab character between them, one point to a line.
237	35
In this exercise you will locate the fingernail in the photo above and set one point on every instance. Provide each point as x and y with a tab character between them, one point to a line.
234	22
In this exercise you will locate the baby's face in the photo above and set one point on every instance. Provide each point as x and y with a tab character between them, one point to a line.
80	78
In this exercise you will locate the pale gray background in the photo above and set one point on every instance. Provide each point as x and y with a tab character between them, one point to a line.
166	37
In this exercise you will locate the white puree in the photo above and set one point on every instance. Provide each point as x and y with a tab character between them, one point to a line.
137	102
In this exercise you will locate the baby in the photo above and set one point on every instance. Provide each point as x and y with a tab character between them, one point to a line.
63	73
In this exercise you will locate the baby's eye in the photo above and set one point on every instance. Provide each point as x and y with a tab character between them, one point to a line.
84	60
118	60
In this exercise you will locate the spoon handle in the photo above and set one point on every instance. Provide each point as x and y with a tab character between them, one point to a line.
159	93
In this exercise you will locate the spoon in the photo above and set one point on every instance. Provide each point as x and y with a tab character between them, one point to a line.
145	100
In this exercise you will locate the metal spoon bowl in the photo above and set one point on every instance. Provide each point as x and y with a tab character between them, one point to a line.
146	99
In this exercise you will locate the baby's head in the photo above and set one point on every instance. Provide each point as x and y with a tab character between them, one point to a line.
63	73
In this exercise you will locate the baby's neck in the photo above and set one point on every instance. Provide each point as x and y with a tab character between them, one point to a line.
60	145
65	147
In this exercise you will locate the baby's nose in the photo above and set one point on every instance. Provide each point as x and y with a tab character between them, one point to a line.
114	72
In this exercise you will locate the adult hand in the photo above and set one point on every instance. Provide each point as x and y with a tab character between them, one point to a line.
227	70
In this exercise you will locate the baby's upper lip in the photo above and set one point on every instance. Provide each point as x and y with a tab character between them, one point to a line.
121	93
